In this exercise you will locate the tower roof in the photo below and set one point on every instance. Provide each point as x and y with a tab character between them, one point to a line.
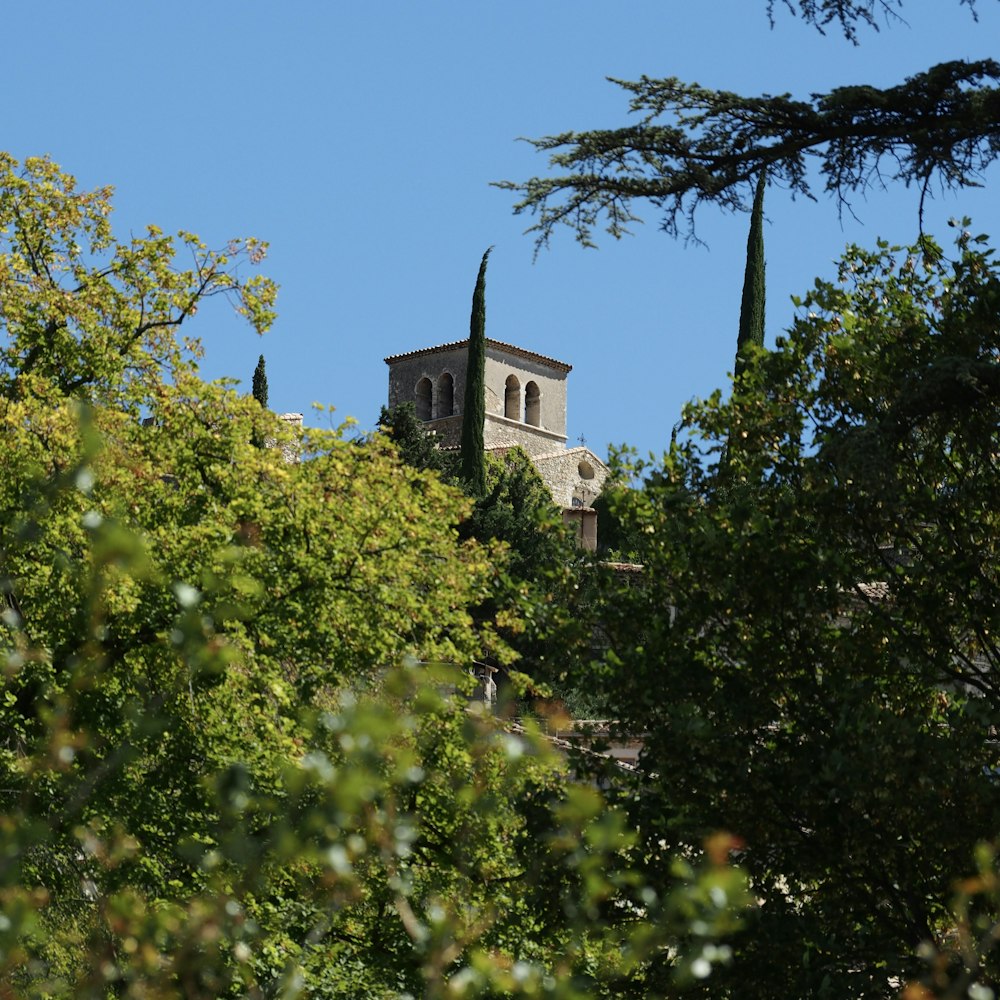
499	345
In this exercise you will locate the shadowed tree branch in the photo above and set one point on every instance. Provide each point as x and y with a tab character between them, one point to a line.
694	145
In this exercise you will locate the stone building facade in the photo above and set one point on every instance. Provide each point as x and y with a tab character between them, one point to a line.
525	406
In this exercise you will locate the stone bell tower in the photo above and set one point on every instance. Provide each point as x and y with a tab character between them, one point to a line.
525	406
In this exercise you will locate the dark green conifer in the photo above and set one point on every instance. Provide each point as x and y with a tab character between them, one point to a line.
752	309
474	409
416	445
260	383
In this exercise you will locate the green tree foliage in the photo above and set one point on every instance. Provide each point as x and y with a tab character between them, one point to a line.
382	844
416	445
260	382
615	539
231	760
535	596
474	408
536	585
517	508
693	145
846	13
752	307
812	654
87	316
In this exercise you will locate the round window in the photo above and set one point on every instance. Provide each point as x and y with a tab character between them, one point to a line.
585	469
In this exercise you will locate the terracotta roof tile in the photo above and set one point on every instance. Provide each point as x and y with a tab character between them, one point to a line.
518	352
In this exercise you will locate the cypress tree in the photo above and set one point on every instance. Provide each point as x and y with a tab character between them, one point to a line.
260	383
752	309
474	409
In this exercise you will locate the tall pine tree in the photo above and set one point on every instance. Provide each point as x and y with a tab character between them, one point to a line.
752	309
260	383
474	409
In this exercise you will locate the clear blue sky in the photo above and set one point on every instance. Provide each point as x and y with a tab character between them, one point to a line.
360	140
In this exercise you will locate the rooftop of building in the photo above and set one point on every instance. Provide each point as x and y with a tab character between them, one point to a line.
499	345
578	449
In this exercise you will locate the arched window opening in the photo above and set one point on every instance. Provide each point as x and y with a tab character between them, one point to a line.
512	398
425	393
532	405
446	395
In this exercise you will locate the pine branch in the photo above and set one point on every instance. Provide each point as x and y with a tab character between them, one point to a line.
694	145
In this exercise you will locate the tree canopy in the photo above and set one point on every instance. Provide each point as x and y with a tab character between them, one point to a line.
848	14
538	575
693	145
416	445
96	318
811	653
235	754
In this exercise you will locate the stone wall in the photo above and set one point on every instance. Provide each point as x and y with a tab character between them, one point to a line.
291	450
447	431
551	383
408	370
449	362
574	476
500	432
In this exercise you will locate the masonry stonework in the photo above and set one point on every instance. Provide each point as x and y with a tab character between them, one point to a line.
522	387
574	476
525	407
